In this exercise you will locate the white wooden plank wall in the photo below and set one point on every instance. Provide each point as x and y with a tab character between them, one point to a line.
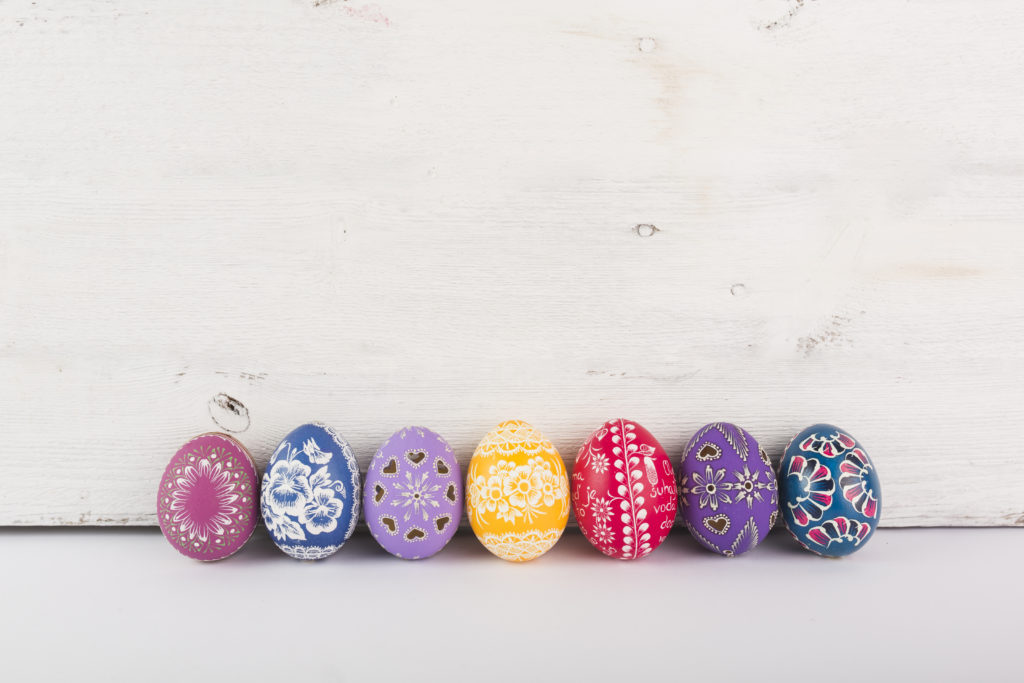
455	213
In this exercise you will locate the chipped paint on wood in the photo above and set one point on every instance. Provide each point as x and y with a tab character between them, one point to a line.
228	413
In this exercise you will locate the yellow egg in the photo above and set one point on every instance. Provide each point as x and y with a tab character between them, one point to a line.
517	492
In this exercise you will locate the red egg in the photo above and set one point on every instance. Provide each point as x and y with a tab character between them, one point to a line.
623	490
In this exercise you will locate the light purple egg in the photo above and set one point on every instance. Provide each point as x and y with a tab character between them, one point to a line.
728	494
413	494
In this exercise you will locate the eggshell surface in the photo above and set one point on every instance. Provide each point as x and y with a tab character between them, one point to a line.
728	492
518	492
412	500
831	494
623	490
311	494
207	501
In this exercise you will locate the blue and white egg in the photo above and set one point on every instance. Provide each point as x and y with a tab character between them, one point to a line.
310	494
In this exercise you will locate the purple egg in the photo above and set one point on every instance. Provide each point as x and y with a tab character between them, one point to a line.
728	494
413	494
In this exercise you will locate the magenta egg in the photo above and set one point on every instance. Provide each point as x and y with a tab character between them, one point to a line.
208	501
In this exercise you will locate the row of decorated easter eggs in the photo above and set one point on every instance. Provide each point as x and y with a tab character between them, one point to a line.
623	490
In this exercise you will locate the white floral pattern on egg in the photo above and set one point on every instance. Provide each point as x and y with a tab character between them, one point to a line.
310	494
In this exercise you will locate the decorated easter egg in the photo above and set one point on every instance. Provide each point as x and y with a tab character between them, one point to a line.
728	493
831	496
207	502
412	500
310	494
623	490
518	492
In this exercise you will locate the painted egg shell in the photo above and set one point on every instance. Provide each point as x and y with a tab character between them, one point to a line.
623	490
727	489
207	504
310	495
413	495
831	496
518	494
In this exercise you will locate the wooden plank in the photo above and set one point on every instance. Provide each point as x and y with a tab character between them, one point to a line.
453	214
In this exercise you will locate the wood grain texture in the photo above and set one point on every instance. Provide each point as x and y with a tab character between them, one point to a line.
454	213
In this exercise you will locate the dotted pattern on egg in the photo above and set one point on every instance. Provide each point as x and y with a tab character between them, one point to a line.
728	493
413	495
207	503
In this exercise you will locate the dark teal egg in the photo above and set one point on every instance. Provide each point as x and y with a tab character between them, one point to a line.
830	495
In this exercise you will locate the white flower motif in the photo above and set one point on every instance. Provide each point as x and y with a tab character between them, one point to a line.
214	485
533	486
603	534
313	452
748	485
710	489
598	461
512	491
601	508
552	487
321	513
489	491
288	490
523	489
279	525
416	494
475	492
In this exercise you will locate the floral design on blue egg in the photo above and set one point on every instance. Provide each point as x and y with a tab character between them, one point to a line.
728	494
831	494
310	494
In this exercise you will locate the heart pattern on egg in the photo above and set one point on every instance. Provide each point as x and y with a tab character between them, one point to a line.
727	490
414	491
709	451
719	524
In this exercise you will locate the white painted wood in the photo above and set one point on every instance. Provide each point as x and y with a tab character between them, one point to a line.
408	212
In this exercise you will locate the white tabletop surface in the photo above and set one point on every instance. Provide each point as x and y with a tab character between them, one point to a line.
120	604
